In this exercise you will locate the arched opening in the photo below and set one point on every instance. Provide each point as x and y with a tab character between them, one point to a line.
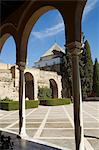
38	38
29	36
49	35
46	35
29	86
54	87
7	30
3	39
8	51
9	87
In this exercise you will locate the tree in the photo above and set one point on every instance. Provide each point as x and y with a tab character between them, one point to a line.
85	67
82	73
66	75
96	78
88	70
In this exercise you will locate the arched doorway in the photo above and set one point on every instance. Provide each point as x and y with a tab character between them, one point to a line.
29	86
53	86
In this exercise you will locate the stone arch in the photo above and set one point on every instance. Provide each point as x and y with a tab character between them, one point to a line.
7	30
54	87
29	86
34	16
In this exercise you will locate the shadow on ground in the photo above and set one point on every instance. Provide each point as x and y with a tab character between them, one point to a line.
10	141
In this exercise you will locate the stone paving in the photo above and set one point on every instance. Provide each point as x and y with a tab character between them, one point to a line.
55	124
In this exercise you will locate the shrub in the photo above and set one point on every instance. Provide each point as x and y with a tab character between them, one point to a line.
14	105
7	99
44	92
55	101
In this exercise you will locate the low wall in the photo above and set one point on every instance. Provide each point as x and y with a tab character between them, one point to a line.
6	66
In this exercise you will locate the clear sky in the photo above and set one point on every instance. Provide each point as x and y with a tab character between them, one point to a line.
50	29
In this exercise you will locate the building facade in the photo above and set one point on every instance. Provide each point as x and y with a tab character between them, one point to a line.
52	59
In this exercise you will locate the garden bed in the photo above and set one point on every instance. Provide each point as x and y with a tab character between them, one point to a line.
55	101
14	105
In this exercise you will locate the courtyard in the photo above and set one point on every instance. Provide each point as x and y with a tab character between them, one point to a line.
54	125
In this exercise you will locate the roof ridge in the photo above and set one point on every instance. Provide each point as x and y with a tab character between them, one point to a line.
48	52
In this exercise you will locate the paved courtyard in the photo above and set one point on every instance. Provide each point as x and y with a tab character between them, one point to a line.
55	124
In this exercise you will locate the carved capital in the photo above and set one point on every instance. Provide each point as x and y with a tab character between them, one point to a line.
74	48
22	66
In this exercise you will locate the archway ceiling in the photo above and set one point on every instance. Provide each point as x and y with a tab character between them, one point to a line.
17	14
8	7
16	8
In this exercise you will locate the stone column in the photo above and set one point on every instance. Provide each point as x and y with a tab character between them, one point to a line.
22	129
35	89
74	49
59	87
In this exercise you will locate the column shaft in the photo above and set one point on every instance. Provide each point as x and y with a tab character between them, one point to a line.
22	129
59	84
77	96
35	89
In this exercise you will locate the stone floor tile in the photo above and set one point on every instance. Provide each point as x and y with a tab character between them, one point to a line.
57	133
58	125
94	142
4	125
69	143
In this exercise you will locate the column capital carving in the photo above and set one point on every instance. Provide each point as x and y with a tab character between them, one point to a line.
74	48
21	66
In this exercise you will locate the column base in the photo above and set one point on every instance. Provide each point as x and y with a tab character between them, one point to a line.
22	135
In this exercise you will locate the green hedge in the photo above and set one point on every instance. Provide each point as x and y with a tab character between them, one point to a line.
14	105
55	101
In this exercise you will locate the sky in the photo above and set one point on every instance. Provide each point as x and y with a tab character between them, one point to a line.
50	29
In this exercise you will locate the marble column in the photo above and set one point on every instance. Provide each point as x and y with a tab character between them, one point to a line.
59	87
22	122
75	49
35	89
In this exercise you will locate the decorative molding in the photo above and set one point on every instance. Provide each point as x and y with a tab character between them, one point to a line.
75	48
21	66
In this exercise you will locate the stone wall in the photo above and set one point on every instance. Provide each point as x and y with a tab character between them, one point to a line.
5	66
7	88
9	81
41	78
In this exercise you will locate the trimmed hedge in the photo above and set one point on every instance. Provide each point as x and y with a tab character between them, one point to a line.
9	105
14	105
31	104
55	101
